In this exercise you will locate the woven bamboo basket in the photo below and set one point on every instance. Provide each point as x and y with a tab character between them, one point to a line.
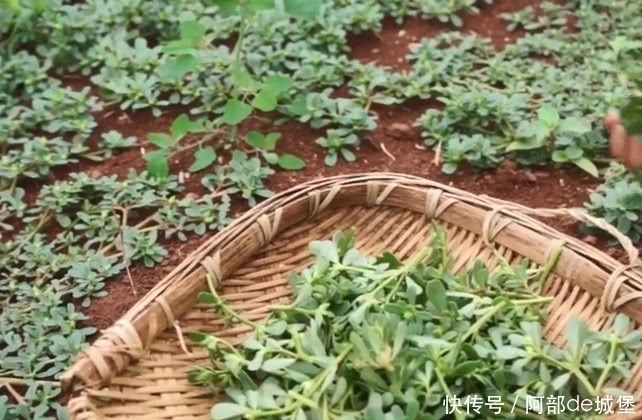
137	368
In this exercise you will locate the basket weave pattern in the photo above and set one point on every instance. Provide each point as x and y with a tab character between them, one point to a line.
137	369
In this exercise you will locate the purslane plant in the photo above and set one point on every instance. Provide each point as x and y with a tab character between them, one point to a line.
370	337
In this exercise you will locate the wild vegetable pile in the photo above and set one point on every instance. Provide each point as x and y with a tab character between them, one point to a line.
374	338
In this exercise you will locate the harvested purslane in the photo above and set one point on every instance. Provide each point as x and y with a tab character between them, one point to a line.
373	338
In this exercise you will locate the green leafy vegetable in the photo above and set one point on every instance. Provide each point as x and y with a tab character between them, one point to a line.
367	337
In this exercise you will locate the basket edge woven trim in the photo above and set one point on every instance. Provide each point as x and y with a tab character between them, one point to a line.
258	220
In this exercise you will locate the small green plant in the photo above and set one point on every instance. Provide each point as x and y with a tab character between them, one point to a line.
338	142
618	201
554	16
112	140
247	94
477	150
243	174
168	144
172	143
559	136
265	145
519	19
620	204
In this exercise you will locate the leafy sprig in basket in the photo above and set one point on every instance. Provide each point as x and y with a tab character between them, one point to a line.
374	338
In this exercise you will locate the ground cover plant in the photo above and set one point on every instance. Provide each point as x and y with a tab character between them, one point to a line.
369	337
129	130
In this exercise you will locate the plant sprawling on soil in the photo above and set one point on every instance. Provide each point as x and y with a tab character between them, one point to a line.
369	337
129	127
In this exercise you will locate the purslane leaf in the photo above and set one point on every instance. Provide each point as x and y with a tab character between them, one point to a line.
225	410
548	115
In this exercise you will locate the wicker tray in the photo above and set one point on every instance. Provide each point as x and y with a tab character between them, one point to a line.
137	368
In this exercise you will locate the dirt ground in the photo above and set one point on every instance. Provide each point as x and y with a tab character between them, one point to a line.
549	187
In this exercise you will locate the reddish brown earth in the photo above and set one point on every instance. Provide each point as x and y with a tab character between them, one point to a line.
395	146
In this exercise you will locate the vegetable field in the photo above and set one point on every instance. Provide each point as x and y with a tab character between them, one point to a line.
131	130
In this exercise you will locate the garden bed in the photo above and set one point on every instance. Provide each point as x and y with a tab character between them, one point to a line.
563	37
539	187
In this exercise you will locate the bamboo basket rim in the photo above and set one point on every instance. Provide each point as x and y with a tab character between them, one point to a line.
618	286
